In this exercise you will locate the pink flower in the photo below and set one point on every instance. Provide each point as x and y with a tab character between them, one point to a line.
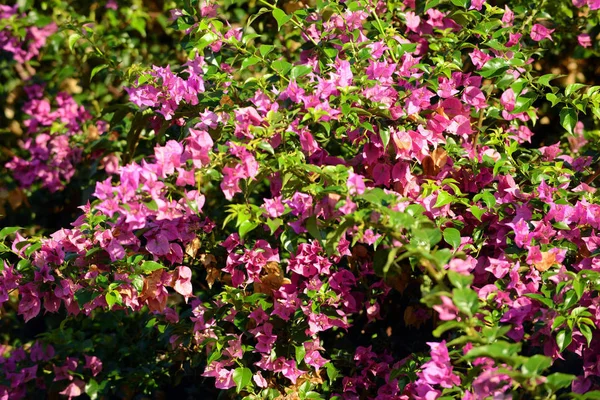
479	58
287	369
584	40
94	364
343	75
438	371
447	310
491	383
30	303
183	284
508	99
308	143
508	16
355	183
274	207
412	21
259	380
75	389
540	32
168	158
474	96
476	5
112	4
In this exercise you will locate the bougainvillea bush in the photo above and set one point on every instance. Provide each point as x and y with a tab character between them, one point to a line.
330	199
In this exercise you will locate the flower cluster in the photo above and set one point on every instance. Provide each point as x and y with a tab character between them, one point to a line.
367	214
53	155
23	47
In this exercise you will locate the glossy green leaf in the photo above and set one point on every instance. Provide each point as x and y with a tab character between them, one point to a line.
241	377
113	298
281	17
536	364
568	119
299	71
148	267
564	339
443	198
249	61
466	300
559	380
452	237
9	230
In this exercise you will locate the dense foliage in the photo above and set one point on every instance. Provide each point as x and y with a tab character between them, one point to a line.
331	199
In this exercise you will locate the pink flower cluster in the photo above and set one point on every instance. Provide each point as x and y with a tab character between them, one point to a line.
352	159
53	156
168	90
23	49
25	366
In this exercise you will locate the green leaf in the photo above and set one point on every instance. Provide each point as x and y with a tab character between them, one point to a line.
300	353
559	380
300	70
332	372
113	298
573	87
281	17
586	331
206	40
143	79
265	49
545	79
542	299
524	102
430	4
579	287
466	300
83	296
452	237
246	227
494	67
9	230
564	339
241	377
569	300
139	24
273	224
266	146
283	67
536	364
24	265
249	62
558	321
91	389
552	98
568	119
446	326
426	237
312	228
458	280
150	266
384	134
489	199
460	3
477	212
499	349
138	282
443	198
97	69
73	38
